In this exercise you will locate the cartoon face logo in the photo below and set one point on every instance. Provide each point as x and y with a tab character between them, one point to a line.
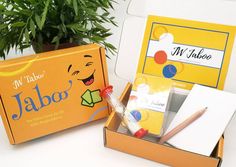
83	70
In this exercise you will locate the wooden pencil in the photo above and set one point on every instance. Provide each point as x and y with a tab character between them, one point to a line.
182	125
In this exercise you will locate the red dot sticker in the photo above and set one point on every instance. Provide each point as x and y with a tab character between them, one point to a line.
133	97
160	57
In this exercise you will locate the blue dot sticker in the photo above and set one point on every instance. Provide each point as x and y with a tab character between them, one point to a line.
136	114
169	71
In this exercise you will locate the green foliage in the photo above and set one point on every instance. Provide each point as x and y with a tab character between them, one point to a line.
54	22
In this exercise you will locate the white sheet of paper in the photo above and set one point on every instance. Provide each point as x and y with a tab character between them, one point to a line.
203	134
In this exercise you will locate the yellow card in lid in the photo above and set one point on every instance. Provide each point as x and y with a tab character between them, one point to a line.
149	100
186	51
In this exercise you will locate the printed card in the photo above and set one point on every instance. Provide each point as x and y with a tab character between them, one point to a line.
188	52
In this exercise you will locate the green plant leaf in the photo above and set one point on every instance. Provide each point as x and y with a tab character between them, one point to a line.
2	26
27	36
100	26
110	46
26	12
82	2
18	24
38	21
75	5
9	13
20	3
91	12
45	11
106	35
2	43
68	1
32	1
32	27
1	7
55	39
76	27
97	38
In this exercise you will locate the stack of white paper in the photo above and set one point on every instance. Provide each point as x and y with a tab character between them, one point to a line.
202	135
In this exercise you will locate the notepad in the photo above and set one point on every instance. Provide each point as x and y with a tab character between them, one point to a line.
202	135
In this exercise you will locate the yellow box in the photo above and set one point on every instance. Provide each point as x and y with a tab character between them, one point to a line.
154	151
45	93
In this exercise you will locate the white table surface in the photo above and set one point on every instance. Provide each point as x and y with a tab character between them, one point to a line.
83	145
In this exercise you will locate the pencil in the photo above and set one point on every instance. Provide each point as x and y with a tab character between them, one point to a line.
182	125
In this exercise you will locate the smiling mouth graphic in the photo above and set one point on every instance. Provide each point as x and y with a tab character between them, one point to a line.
88	81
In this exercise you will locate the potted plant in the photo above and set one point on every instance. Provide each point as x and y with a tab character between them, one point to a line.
53	24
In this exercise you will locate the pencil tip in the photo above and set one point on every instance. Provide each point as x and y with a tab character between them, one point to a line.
204	110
